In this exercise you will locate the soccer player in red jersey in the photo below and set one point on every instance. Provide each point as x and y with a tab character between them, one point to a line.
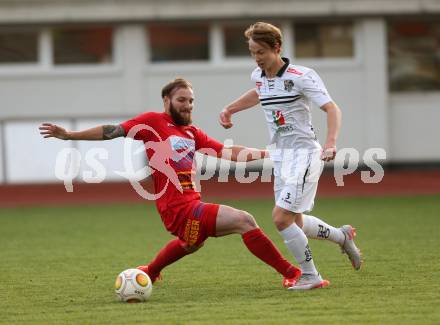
171	141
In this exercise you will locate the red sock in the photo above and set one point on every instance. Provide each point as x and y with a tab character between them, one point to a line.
263	248
169	254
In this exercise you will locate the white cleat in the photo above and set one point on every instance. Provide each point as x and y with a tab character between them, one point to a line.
309	281
349	247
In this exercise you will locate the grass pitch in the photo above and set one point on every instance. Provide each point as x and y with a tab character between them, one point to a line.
58	265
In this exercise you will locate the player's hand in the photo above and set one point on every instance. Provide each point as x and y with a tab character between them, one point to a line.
225	119
328	152
49	130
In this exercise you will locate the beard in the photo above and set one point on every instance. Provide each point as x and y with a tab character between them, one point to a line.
179	118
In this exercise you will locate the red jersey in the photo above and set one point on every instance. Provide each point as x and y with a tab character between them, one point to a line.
170	150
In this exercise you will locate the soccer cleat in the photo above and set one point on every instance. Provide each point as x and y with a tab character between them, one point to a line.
349	247
309	281
288	282
144	268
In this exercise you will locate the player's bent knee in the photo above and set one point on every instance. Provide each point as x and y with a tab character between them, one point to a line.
281	223
246	221
281	219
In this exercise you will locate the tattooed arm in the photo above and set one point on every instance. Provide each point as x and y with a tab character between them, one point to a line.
103	132
112	131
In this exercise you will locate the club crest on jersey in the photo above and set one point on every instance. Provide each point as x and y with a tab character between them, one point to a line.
288	85
278	118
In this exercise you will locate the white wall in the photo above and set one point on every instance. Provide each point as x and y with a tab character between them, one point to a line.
60	94
414	127
29	157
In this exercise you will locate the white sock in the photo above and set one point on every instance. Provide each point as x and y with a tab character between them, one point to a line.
297	243
317	229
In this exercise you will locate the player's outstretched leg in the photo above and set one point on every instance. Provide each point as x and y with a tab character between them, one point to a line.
297	243
350	248
315	228
170	253
230	221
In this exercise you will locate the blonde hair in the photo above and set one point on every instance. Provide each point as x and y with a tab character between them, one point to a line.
262	32
175	84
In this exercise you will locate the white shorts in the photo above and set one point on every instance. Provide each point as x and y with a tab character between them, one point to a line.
296	181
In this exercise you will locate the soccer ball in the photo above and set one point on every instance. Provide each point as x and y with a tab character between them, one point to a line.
133	285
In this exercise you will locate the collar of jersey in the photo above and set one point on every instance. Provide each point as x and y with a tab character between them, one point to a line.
281	71
167	117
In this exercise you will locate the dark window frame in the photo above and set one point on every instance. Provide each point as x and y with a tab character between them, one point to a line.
91	49
353	51
174	29
24	30
419	67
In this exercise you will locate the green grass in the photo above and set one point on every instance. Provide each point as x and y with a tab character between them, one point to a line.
58	265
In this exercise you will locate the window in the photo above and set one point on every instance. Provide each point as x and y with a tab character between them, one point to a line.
18	46
179	42
414	55
235	42
324	40
73	45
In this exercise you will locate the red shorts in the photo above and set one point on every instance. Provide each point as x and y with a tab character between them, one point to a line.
199	222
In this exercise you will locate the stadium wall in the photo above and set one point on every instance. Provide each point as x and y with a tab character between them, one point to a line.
414	130
36	11
82	96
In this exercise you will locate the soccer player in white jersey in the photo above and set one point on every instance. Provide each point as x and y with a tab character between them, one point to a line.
285	91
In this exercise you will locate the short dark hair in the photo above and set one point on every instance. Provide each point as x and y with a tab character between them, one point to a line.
264	33
175	84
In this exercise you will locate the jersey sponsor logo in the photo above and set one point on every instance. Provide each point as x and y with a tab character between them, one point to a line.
294	71
179	143
288	85
192	229
286	129
278	118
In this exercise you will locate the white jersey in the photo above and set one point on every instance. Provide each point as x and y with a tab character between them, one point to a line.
286	103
